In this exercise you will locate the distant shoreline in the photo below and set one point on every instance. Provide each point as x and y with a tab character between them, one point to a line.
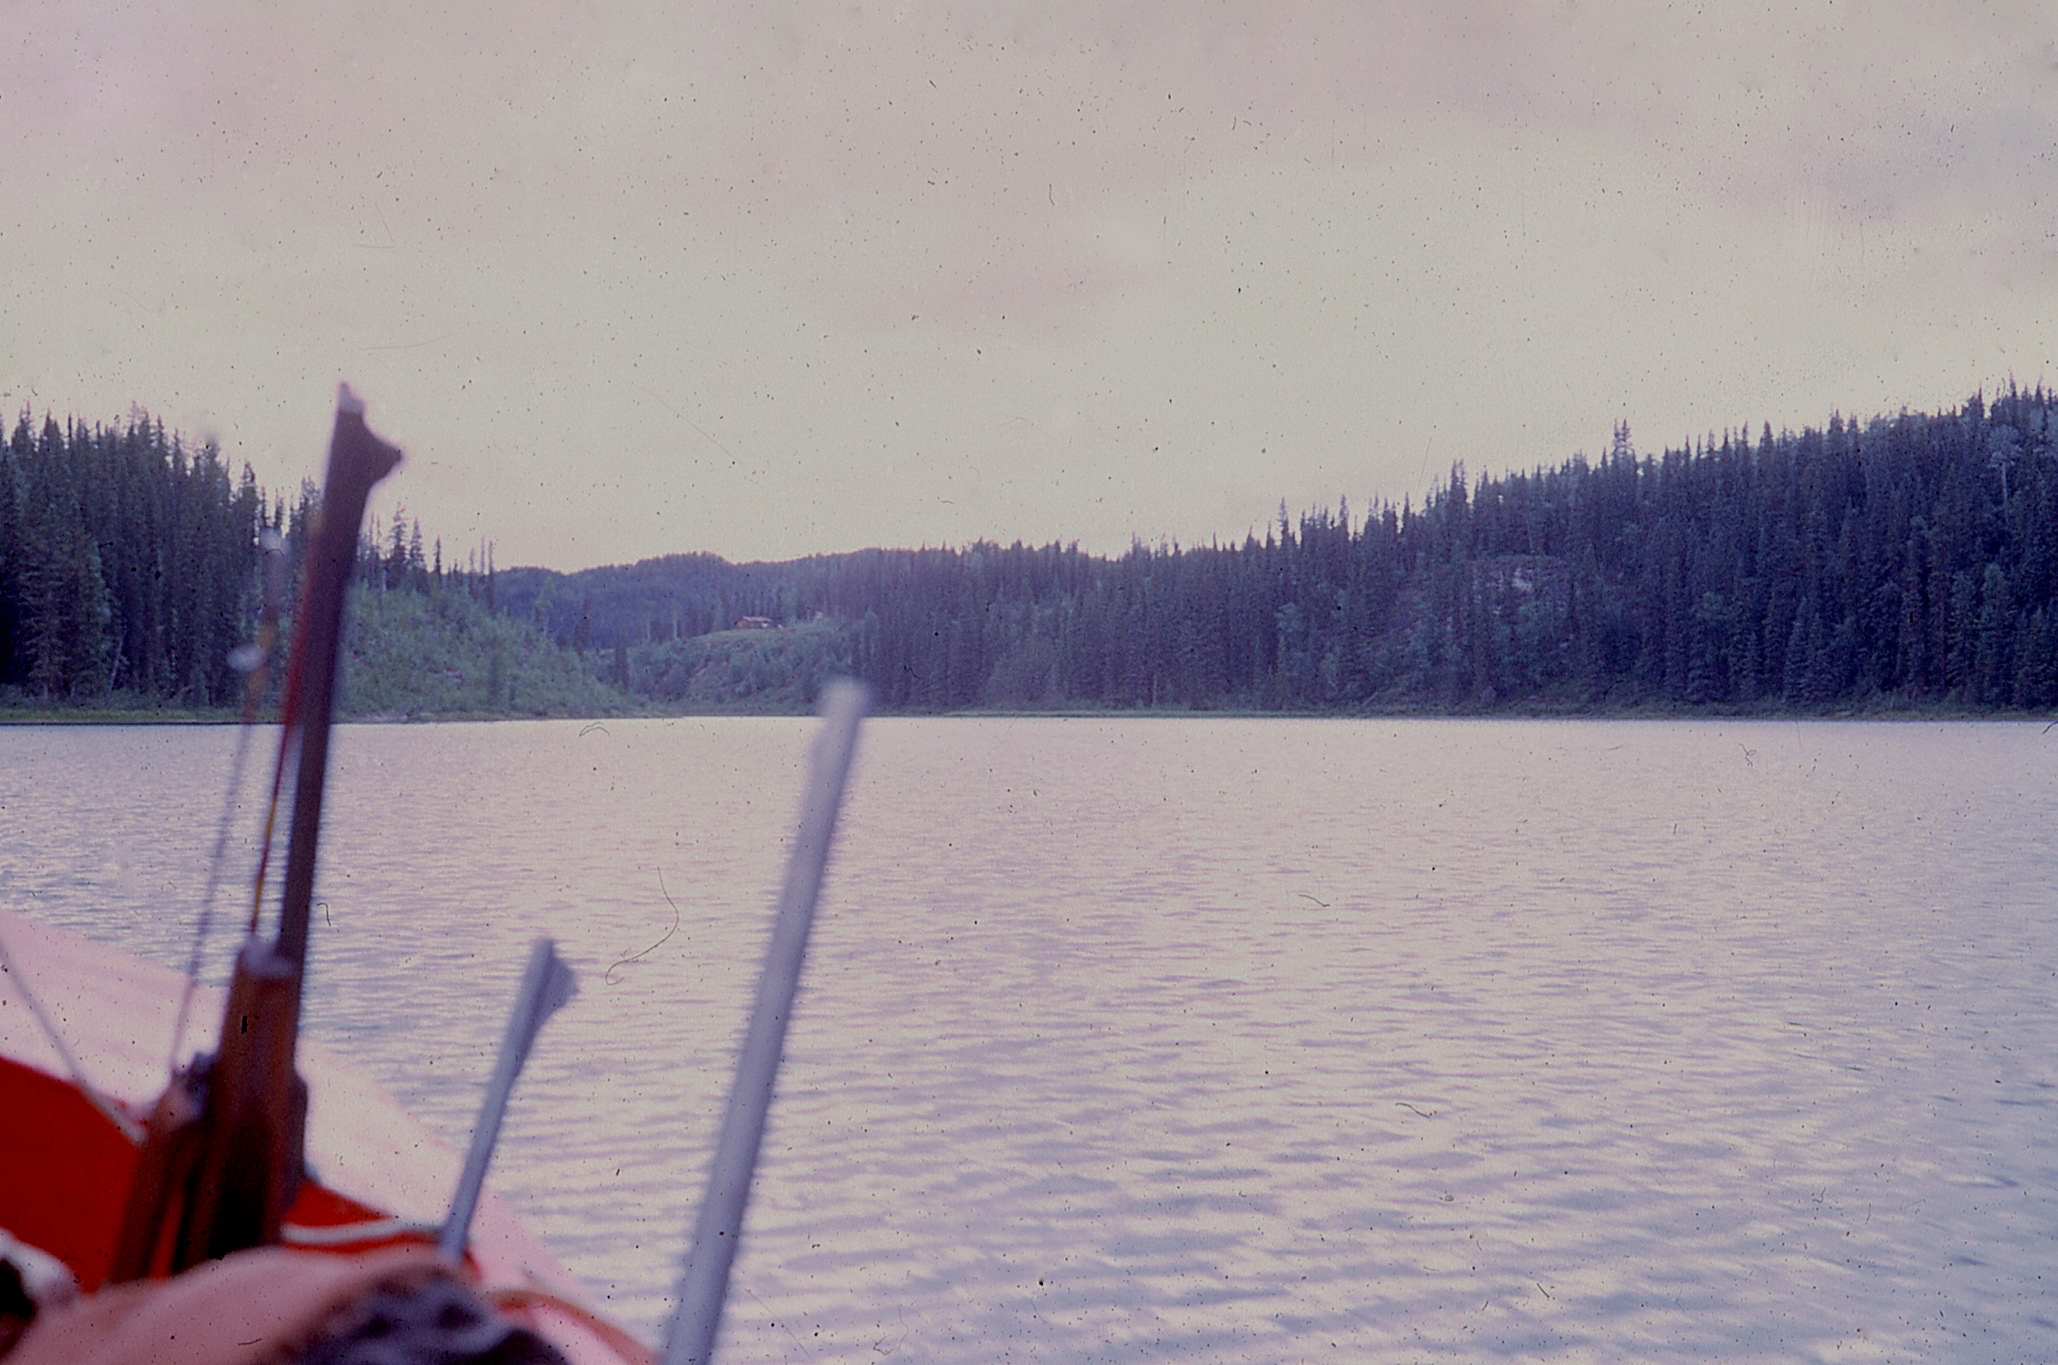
44	715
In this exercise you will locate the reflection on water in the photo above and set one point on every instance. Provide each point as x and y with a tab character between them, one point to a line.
1209	1040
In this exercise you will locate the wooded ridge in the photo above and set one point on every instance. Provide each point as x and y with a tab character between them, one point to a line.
1906	562
129	576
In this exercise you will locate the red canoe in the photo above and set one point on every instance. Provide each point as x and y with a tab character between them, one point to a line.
378	1179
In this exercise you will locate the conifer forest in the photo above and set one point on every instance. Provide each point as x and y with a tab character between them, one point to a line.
127	564
1903	562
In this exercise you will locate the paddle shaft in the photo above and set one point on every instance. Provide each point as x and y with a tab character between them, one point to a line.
704	1278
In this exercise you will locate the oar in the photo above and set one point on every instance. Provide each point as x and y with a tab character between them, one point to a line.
704	1278
546	986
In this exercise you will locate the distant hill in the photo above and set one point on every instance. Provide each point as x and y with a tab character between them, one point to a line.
652	599
1907	561
1904	562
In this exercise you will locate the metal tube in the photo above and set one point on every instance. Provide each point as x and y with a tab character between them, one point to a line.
704	1278
546	986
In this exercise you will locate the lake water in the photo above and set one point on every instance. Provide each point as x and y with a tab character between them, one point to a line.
1208	1040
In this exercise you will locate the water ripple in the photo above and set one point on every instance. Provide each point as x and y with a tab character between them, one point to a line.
1214	1040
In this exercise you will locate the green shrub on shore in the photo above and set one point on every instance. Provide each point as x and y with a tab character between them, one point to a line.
409	655
443	653
774	670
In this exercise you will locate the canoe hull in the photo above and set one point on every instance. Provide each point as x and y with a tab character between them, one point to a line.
380	1179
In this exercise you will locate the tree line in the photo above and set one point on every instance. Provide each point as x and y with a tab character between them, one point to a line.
129	575
126	563
1905	560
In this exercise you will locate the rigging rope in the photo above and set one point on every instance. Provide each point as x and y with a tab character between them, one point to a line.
253	661
130	1129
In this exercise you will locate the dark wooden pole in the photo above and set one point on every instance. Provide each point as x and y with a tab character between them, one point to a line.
357	461
223	1152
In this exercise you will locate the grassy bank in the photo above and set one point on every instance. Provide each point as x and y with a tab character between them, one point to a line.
438	655
443	655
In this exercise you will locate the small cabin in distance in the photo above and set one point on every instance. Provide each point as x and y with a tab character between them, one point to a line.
753	623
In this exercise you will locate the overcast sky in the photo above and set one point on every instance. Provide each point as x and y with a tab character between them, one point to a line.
789	277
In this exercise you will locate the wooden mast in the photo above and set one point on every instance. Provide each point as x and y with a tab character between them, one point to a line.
223	1152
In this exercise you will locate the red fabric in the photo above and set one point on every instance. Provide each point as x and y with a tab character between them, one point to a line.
72	1207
